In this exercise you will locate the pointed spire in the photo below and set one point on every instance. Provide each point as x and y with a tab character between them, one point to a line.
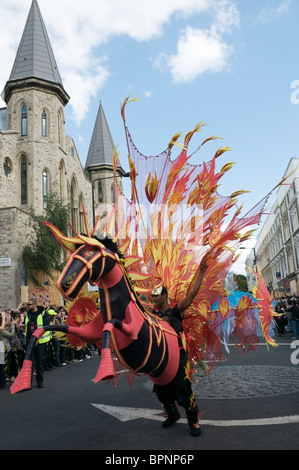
35	56
101	146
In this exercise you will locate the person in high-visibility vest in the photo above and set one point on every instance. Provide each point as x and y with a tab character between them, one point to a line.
37	317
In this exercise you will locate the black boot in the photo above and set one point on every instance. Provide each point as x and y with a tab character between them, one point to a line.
173	415
193	421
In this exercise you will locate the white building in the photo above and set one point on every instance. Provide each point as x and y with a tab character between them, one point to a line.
277	247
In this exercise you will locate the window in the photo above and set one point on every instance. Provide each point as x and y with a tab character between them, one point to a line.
74	205
44	124
24	121
100	192
81	216
45	189
7	167
60	122
3	119
24	180
62	180
294	219
112	193
59	128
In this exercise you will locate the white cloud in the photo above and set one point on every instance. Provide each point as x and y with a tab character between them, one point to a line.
202	50
270	13
198	51
77	29
148	93
227	16
284	7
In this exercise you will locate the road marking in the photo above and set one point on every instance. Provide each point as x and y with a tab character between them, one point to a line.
124	413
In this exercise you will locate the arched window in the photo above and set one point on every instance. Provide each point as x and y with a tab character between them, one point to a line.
81	216
60	122
62	181
100	192
45	189
59	127
7	166
24	121
74	204
112	193
44	124
24	180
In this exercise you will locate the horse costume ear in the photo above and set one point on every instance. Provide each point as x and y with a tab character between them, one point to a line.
70	243
90	241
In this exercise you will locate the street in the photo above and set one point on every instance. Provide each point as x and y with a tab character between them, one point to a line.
249	402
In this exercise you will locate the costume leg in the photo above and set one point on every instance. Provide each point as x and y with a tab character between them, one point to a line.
186	397
166	396
193	418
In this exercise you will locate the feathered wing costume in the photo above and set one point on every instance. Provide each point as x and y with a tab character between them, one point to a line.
174	220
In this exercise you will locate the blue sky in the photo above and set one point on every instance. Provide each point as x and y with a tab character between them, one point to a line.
234	65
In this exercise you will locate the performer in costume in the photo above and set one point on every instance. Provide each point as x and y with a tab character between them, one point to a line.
179	389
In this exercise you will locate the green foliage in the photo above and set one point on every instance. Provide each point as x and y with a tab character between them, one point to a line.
241	282
43	253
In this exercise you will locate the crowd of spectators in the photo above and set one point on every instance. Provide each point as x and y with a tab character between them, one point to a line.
287	319
59	352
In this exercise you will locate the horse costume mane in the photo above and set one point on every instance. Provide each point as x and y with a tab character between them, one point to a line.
173	221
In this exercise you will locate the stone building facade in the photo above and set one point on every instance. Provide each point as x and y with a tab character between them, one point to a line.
277	247
37	157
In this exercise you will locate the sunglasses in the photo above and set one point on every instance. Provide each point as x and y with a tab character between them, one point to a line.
29	304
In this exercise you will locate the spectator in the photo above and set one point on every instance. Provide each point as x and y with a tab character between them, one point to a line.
61	318
294	320
6	333
280	319
17	345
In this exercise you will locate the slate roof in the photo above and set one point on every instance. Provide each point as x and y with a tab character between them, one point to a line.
35	56
101	146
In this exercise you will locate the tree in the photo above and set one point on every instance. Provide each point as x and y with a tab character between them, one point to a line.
43	253
241	282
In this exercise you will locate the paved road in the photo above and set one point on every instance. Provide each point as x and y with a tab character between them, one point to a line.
250	401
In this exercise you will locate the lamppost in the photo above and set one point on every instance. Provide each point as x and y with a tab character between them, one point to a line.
254	254
251	279
124	175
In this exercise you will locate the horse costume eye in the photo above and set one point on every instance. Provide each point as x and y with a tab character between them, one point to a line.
70	279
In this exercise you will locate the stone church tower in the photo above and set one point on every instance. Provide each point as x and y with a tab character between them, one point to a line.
36	157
